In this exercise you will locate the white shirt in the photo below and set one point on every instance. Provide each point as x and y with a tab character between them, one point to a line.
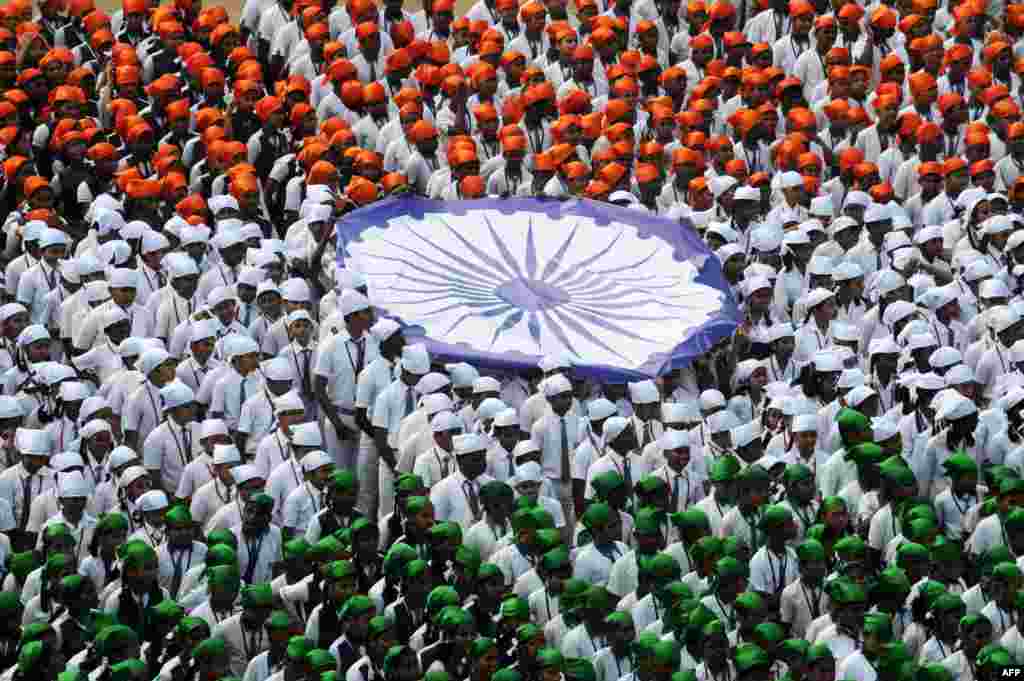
450	498
168	449
547	434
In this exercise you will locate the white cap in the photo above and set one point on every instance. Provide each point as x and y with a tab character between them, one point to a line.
601	408
74	391
122	455
876	212
791	179
743	435
711	399
52	237
527	446
898	311
884	428
289	402
73	485
131	474
556	385
468	444
212	427
945	357
753	284
299	315
435	403
490	408
94	427
644	392
720	184
805	423
151	359
506	418
844	332
675	439
251	276
747	193
415	359
10	407
820	265
238	345
384	329
307	435
32	442
444	421
1002	318
277	369
827	361
122	277
486	384
858	395
847	271
65	461
929	381
883	346
352	302
851	378
431	383
528	472
614	426
993	288
176	394
220	294
296	291
680	412
887	281
226	454
243	474
953	407
32	334
817	297
316	460
959	375
857	198
919	341
841	223
153	500
462	374
821	206
722	421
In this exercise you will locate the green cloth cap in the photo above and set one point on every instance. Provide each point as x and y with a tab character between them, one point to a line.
619	619
528	632
844	591
178	516
261	501
10	603
506	674
647	522
749	601
169	611
810	550
496	489
188	624
770	631
21	564
257	596
30	656
441	597
865	454
666	653
775	517
818	652
878	624
795	472
296	549
514	607
573	669
606	483
650	484
724	469
960	464
297	648
1014	519
704	548
893	582
481	646
128	670
947	602
556	559
1006	571
408	483
446	530
911	551
109	522
279	620
355	606
221	554
414	505
944	550
416	568
380	625
397	557
934	672
597	515
755	473
832	504
224	576
793	649
691	519
320	660
750	656
136	554
851	548
1011	486
489	571
895	470
993	656
115	637
210	649
392	657
339	569
468	557
342	480
852	421
222	536
549	657
730	568
894	656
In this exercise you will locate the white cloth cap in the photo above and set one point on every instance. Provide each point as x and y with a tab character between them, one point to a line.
919	341
959	375
72	485
826	360
791	179
486	384
851	378
220	294
945	357
307	435
884	428
680	412
298	315
743	435
384	329
74	391
805	423
243	474
435	403
226	454
898	311
816	297
556	385
94	427
290	401
153	500
644	392
431	383
506	417
316	460
415	359
130	474
601	408
176	394
277	369
352	302
883	346
444	421
747	193
821	206
468	444
528	472
675	439
527	446
711	399
888	281
251	276
953	407
857	395
993	288
32	441
613	427
463	375
151	359
10	407
212	427
203	329
296	291
490	408
721	421
847	271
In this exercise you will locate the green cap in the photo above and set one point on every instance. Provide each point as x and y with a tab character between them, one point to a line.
775	517
178	516
339	569
257	596
729	568
852	421
222	536
21	564
514	607
30	656
1006	571
650	484
993	656
750	656
279	620
845	591
10	603
724	469
606	483
355	606
408	483
817	652
865	453
225	576
441	597
895	471
810	550
496	489
574	669
528	632
114	638
297	648
549	657
1014	519
795	472
960	464
942	549
947	602
911	551
169	611
934	672
892	582
555	559
468	558
136	554
878	624
210	649
342	480
597	515
506	674
380	625
414	505
397	557
189	624
128	670
749	601
481	647
851	548
391	659
320	660
296	549
769	631
647	522
691	519
221	554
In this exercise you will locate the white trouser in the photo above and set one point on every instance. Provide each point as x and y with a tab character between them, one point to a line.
366	473
345	453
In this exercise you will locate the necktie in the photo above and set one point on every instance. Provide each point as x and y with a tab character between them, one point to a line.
409	405
360	355
26	496
675	492
627	473
373	70
241	395
474	504
648	434
306	388
179	573
565	449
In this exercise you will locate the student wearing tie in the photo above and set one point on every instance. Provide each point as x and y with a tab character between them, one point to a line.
622	455
169	448
557	434
142	408
302	358
646	412
179	552
240	382
394	403
457	497
684	488
340	359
